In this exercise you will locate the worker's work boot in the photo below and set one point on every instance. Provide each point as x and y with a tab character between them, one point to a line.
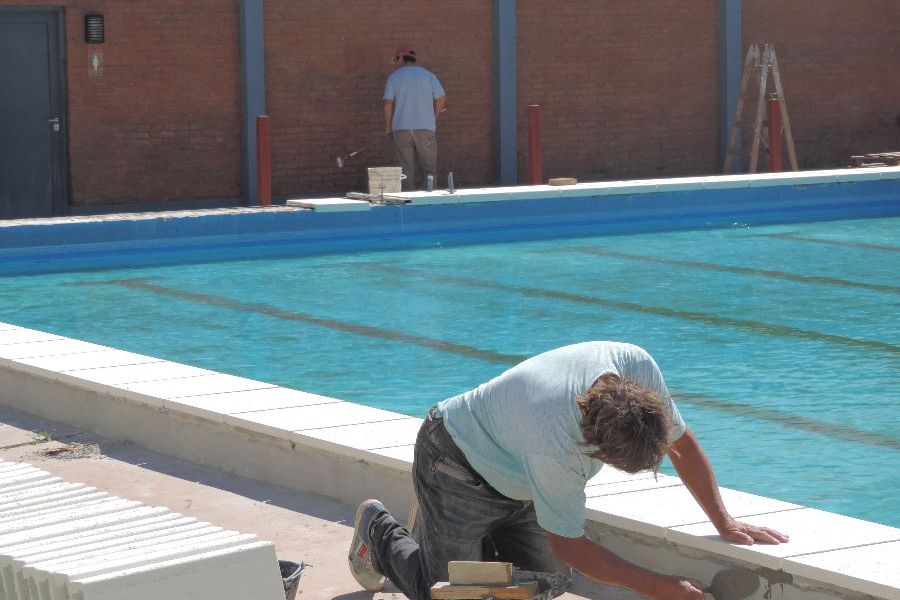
360	557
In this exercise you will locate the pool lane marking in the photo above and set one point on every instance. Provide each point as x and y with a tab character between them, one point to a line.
871	438
828	429
813	279
288	315
827	242
755	326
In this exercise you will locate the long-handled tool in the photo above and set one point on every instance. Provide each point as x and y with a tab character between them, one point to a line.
342	159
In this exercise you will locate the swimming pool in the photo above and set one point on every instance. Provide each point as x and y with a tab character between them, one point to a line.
779	342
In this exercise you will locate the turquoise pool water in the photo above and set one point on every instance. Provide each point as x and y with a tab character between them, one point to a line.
780	343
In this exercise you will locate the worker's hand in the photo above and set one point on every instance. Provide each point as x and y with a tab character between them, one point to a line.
747	535
678	588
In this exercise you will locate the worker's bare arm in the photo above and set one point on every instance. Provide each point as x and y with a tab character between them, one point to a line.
388	116
696	472
604	566
439	106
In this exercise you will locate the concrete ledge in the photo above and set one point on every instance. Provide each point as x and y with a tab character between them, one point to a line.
349	452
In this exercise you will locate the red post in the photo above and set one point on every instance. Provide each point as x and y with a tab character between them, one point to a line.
263	162
536	176
774	109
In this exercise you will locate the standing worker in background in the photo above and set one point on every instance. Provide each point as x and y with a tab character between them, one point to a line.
413	99
508	462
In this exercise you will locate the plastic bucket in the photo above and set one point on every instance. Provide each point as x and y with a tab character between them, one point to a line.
290	576
385	180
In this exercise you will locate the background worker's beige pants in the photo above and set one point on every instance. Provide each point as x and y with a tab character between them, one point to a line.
416	152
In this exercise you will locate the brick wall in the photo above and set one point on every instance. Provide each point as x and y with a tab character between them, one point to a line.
162	120
840	68
626	89
325	75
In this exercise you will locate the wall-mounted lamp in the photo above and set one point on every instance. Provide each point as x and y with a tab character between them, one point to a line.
94	31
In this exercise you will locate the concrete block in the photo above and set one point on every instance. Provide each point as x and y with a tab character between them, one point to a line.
60	541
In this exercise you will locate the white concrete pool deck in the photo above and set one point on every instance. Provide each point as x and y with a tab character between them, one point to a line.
348	452
497	194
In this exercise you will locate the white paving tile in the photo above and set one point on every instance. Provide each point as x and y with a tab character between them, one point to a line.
652	511
156	371
873	570
24	336
724	182
48	347
88	360
810	531
610	475
682	184
330	204
403	454
632	485
318	416
370	436
195	386
236	403
773	179
581	190
811	177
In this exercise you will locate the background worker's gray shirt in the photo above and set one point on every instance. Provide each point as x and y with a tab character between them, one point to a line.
413	90
521	431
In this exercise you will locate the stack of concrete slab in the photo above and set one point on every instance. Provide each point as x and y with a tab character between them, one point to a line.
67	541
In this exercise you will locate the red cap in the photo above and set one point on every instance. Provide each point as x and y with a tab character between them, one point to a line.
401	52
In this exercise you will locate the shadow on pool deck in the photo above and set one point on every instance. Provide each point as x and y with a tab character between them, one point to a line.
303	527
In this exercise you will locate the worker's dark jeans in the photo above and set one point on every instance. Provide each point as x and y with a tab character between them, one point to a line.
460	517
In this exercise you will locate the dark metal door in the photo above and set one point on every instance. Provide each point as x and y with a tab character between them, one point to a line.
32	113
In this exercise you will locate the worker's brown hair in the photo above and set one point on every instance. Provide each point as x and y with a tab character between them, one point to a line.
624	425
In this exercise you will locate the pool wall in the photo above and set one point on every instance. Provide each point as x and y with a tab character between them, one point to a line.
350	452
468	216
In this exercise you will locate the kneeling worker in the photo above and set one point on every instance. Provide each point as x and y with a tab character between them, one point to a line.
505	466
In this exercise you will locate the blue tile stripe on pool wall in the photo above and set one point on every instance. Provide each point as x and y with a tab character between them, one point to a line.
34	247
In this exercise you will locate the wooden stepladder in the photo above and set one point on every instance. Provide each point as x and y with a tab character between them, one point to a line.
763	62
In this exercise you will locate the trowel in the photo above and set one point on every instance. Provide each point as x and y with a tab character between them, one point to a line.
733	584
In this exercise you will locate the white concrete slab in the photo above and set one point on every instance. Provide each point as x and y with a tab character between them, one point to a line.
610	475
48	347
681	184
236	403
222	574
330	204
772	179
369	436
94	359
724	182
655	510
873	569
403	455
137	373
633	485
24	336
195	386
319	416
816	177
811	531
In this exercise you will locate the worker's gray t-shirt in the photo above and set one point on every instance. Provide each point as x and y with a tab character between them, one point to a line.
521	431
413	90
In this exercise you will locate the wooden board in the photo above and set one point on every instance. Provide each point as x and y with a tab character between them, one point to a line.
465	572
443	590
